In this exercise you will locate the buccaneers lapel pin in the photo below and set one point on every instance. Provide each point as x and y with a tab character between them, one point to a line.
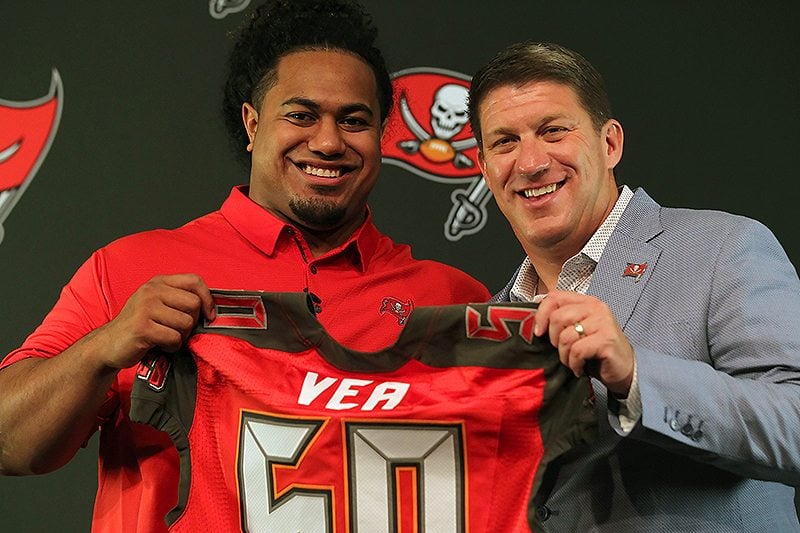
635	270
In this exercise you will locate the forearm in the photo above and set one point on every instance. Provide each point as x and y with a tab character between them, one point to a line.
744	425
49	407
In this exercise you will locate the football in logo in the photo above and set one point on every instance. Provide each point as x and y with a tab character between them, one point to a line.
428	133
26	131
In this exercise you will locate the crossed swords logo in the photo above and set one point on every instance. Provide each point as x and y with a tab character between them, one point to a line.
435	152
220	9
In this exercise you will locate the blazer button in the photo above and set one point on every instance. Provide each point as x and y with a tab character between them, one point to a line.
543	512
673	424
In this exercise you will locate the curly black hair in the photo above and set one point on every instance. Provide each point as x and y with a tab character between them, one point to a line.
279	27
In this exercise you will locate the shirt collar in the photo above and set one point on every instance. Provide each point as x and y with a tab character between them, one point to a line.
263	229
594	248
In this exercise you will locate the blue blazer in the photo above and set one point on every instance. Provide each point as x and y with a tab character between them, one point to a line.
714	319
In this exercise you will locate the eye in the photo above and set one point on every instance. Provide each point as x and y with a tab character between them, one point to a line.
554	133
354	123
301	118
502	144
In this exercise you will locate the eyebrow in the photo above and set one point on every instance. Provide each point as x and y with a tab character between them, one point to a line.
503	130
557	116
344	110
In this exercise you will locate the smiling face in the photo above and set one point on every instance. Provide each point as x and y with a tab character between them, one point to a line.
315	142
549	168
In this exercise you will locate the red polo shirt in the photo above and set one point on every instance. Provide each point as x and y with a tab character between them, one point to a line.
364	288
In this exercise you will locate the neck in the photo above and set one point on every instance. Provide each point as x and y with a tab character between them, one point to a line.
548	274
548	258
322	241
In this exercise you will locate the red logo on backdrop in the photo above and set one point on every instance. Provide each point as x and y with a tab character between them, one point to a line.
26	131
220	9
428	133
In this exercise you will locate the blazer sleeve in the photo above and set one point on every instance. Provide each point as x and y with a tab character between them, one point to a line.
737	404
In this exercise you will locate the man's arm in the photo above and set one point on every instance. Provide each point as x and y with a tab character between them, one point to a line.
49	405
725	391
742	411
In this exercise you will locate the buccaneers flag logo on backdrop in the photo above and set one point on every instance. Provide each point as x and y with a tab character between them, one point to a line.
26	131
428	133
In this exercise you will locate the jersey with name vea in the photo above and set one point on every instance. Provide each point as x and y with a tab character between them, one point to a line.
281	429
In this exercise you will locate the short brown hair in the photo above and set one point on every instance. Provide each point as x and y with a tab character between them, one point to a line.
529	61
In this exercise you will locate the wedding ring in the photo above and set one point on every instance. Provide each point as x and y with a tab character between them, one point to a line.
579	329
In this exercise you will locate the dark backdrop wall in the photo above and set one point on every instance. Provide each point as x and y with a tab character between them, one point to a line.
707	94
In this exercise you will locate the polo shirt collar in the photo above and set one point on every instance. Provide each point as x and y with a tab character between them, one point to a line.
263	229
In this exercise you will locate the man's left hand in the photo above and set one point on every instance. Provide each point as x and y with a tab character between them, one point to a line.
588	338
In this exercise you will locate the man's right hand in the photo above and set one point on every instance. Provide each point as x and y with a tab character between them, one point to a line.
47	414
161	313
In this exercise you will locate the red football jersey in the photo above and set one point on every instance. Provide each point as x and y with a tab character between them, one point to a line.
281	429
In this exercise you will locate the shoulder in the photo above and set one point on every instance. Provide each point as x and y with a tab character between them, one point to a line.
195	233
706	225
682	223
459	286
447	283
702	239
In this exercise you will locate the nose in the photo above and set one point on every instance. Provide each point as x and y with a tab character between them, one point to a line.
326	138
533	157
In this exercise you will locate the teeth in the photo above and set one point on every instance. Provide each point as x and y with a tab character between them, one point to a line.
322	172
540	191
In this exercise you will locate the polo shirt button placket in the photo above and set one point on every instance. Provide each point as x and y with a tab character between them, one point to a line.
317	301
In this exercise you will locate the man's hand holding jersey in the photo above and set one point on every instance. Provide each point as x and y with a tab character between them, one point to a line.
588	338
161	313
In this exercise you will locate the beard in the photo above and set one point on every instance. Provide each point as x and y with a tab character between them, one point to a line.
317	213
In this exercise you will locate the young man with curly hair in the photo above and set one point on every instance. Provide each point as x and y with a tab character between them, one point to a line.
305	100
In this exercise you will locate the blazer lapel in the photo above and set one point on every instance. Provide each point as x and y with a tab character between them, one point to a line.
628	260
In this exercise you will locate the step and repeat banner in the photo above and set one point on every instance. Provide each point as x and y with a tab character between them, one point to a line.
118	104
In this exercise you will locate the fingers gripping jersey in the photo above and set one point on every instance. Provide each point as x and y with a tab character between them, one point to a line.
281	429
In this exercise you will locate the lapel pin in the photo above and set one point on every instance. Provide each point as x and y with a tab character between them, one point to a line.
635	270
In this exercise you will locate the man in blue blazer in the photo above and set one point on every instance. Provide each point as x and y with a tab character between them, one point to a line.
688	321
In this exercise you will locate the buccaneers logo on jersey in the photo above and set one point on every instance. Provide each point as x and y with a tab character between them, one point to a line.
26	131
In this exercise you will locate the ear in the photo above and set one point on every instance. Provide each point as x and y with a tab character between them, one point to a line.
482	167
614	139
250	120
